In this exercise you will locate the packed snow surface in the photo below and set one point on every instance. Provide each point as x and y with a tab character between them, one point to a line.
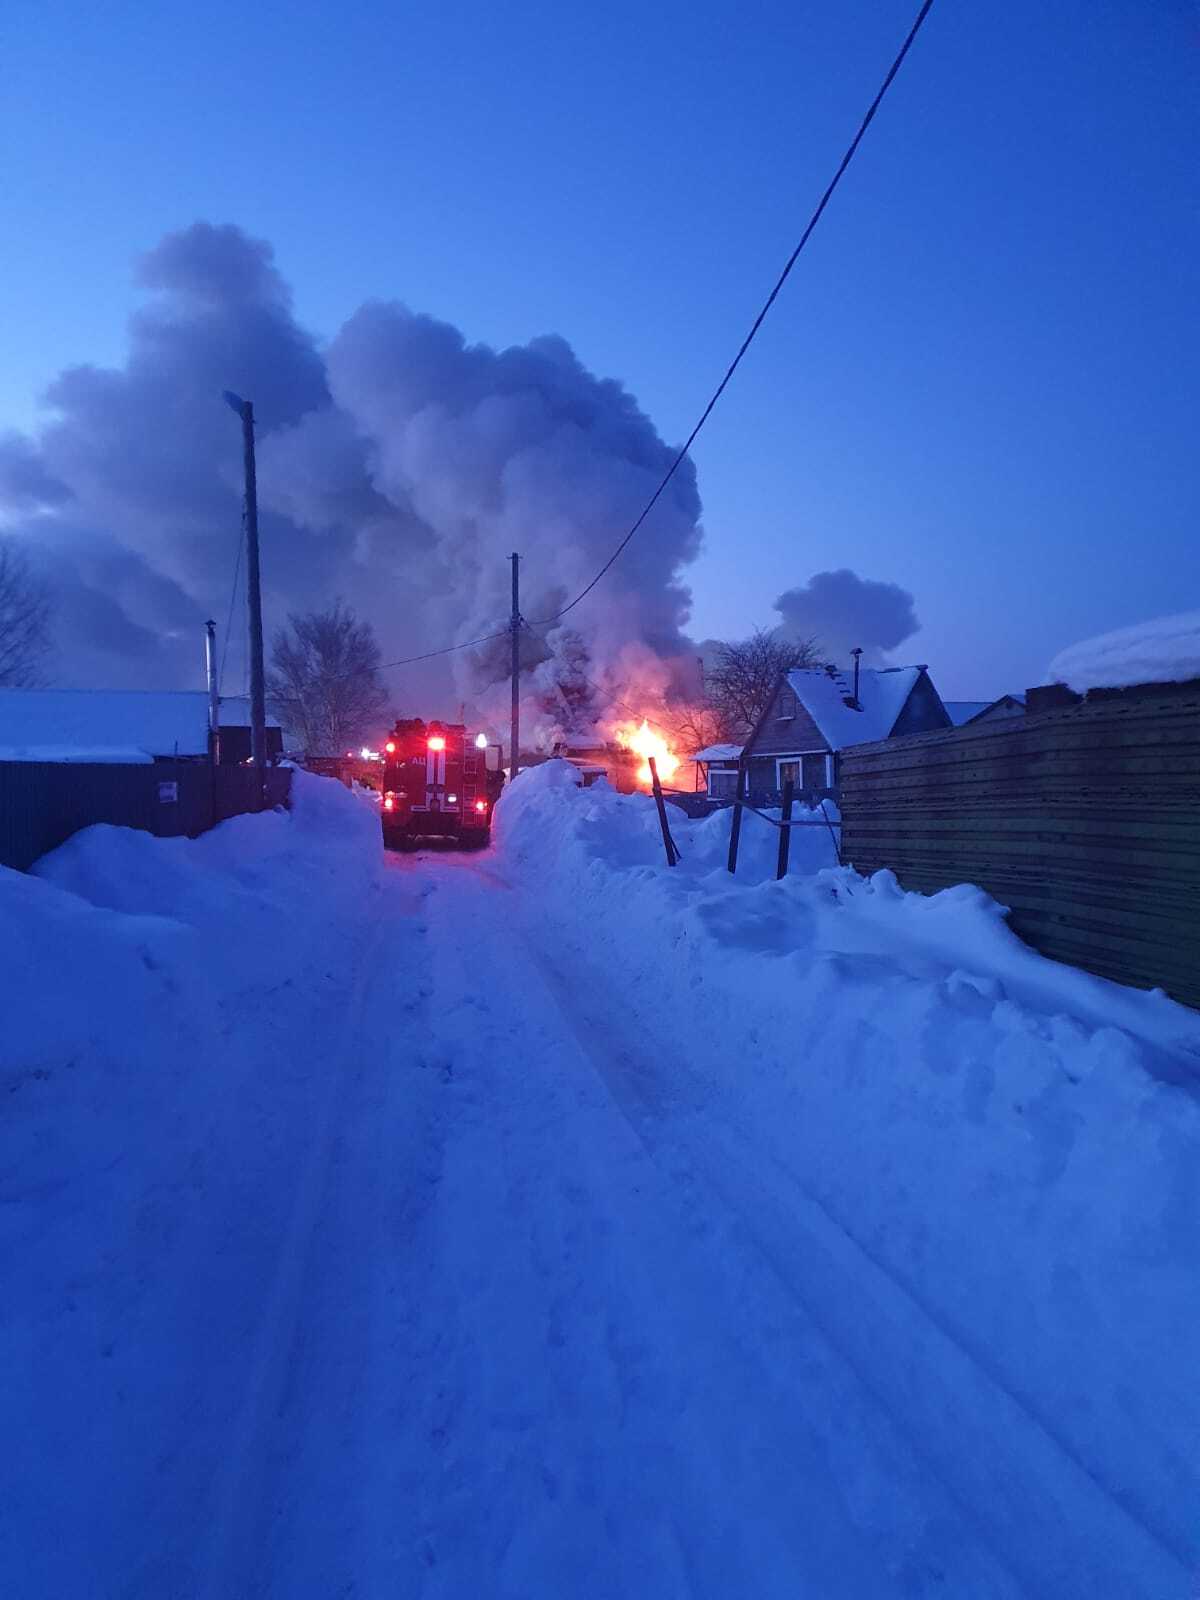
1166	650
549	1223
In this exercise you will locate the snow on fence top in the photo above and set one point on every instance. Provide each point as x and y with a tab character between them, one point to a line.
1166	650
109	724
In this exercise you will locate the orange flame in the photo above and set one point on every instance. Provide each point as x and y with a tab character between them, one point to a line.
646	743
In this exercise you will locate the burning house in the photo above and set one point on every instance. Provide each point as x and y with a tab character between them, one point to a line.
624	760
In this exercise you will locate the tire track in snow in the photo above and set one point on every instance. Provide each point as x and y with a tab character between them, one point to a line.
774	1415
231	1557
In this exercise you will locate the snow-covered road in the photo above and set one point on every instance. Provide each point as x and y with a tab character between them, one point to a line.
544	1325
524	1252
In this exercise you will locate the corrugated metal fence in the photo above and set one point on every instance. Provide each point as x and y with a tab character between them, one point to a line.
1084	821
43	803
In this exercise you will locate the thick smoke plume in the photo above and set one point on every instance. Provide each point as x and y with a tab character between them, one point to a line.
840	610
398	468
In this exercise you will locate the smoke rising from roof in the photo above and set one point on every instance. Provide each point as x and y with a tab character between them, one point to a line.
398	467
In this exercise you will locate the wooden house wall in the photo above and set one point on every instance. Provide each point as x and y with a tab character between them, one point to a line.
784	736
923	710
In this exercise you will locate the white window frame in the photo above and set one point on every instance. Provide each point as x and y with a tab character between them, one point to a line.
798	757
725	792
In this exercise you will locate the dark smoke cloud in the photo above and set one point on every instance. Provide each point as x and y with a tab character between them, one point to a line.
398	467
841	610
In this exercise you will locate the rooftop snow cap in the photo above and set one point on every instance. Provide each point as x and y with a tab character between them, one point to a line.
1166	650
127	723
826	694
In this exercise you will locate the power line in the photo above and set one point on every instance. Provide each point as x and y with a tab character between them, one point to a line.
446	650
760	318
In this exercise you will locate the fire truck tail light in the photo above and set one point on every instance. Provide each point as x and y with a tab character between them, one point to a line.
451	799
390	747
437	742
389	802
481	805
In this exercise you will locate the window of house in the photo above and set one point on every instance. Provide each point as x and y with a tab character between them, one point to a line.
812	771
789	772
722	782
787	705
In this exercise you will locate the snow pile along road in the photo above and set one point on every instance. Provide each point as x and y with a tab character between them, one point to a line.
986	1164
161	1000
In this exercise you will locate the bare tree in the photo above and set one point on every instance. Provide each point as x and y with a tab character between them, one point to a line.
25	612
740	685
323	682
694	725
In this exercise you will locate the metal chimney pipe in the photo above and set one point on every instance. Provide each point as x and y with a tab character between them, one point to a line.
857	654
214	698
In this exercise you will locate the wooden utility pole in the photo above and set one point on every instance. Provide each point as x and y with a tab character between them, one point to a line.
515	745
785	831
669	844
258	699
740	796
214	692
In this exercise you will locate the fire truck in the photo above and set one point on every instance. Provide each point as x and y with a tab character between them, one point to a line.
436	783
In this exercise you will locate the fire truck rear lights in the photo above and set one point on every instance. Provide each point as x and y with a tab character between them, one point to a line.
481	805
437	742
451	799
390	747
389	802
481	741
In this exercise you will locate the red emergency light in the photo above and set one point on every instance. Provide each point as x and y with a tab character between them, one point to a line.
389	802
436	742
481	805
390	747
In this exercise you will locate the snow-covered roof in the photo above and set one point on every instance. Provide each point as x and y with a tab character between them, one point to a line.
960	711
140	723
718	752
882	695
1166	650
99	755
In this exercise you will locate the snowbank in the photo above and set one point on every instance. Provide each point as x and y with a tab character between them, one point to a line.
1166	650
160	998
1011	1144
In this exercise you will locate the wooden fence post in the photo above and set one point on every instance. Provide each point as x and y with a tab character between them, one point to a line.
785	832
735	827
668	842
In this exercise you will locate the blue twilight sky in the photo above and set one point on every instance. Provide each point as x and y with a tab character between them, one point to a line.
980	383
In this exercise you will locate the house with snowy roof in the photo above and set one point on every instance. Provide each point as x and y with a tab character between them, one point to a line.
817	712
123	727
961	712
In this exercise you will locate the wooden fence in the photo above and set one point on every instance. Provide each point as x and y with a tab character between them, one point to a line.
43	803
1084	821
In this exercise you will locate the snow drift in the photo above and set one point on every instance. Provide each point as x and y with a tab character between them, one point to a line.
1013	1143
